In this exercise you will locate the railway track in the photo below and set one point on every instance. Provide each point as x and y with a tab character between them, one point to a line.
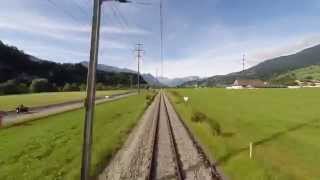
160	148
175	154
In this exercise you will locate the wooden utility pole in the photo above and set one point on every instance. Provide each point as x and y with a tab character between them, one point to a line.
91	91
91	88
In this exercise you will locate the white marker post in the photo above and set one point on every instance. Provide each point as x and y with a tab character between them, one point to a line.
186	99
250	153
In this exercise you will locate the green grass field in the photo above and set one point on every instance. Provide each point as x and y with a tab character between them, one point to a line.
50	148
10	102
283	124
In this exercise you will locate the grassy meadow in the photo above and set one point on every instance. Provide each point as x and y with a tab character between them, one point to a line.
10	102
50	148
283	124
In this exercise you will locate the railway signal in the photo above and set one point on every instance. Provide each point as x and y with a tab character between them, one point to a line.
91	88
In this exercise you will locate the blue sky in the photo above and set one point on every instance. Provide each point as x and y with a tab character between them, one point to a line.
203	38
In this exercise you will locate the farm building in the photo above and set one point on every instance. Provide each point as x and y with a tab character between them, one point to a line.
249	83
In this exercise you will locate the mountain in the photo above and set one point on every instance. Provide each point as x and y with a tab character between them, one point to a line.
151	80
307	73
19	66
107	68
177	81
267	69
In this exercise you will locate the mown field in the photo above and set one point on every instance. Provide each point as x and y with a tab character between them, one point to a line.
283	124
50	148
10	102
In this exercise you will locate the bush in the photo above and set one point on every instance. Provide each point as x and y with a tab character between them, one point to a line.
201	117
215	127
71	87
83	87
198	117
100	86
13	87
42	85
150	97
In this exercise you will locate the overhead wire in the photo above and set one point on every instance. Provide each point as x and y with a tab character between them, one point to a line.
74	18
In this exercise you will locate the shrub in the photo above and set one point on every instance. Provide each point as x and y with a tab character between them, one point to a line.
83	87
42	85
13	87
100	86
215	127
70	87
198	117
201	117
149	98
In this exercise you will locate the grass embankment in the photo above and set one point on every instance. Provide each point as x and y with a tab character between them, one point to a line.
10	102
283	124
50	148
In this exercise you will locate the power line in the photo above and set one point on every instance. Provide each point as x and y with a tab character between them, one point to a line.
121	16
64	11
116	16
81	8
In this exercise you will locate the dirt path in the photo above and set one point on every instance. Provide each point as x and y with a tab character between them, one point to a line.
13	118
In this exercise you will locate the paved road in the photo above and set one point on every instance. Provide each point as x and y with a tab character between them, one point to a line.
14	118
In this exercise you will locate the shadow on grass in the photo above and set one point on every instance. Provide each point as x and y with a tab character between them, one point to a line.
232	154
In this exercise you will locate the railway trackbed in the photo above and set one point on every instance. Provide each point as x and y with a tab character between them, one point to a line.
159	148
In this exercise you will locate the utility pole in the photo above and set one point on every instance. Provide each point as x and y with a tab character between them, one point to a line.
91	91
161	36
130	81
91	88
243	62
139	52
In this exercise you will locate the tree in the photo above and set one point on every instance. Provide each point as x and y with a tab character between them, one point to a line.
41	85
13	87
100	86
83	87
71	87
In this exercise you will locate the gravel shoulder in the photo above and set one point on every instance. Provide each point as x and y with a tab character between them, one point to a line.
133	160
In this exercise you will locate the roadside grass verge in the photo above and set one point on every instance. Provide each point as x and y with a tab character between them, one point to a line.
51	148
283	124
10	102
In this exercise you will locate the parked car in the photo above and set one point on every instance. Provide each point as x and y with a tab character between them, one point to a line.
22	109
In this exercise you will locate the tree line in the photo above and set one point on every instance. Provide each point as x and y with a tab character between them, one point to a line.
21	73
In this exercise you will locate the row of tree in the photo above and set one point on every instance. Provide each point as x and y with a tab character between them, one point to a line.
43	85
21	73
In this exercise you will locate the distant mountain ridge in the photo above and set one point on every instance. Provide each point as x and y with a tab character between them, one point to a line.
19	66
107	68
177	81
267	69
